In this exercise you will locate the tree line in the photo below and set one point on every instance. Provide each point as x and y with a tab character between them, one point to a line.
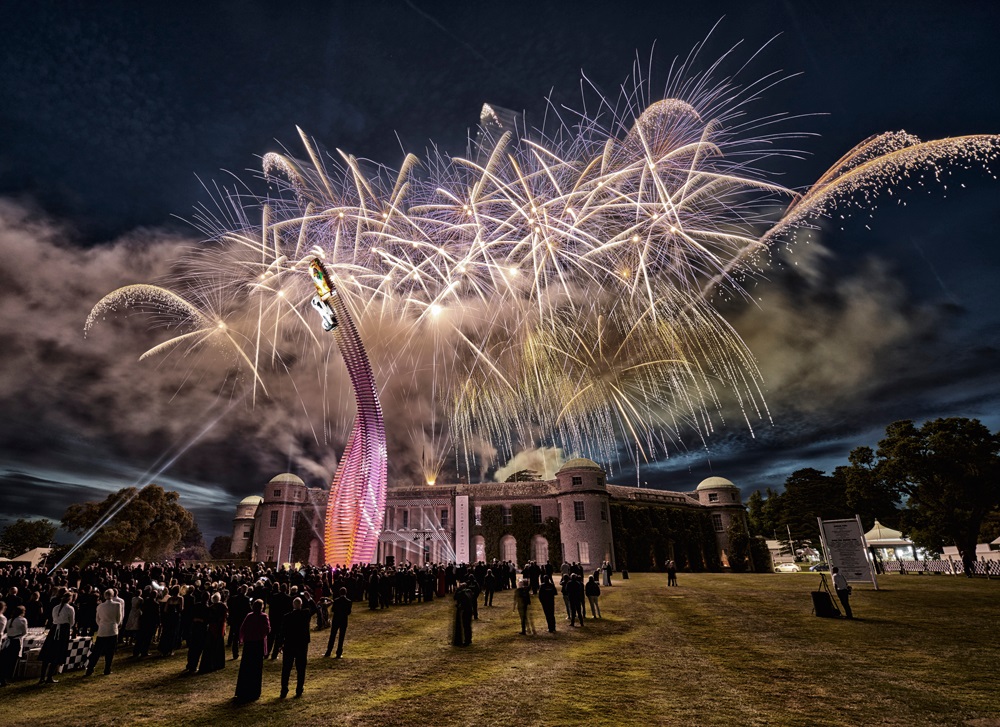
938	483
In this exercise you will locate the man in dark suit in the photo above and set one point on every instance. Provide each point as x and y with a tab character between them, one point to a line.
341	609
239	607
295	649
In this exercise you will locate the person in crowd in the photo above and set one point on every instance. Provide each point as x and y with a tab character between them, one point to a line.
575	590
17	627
149	621
462	632
198	633
214	657
671	573
108	617
172	609
606	571
843	589
295	647
35	611
253	635
239	607
56	646
277	607
547	598
131	631
563	588
522	601
593	593
338	627
489	587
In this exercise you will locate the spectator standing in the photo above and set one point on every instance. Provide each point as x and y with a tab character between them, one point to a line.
338	628
56	646
17	627
522	600
843	589
547	598
108	617
253	635
575	590
593	592
214	657
295	648
239	608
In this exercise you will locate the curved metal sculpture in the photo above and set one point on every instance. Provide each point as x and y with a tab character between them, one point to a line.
355	509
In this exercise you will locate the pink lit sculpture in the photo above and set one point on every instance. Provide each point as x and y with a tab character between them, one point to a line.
356	506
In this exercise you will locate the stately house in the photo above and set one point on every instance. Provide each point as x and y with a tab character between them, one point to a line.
575	517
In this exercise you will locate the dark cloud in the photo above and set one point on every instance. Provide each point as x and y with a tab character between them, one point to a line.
112	114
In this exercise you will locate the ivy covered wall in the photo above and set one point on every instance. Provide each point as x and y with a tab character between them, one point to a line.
647	536
521	528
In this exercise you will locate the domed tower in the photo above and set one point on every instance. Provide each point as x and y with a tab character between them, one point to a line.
246	511
723	497
284	496
584	513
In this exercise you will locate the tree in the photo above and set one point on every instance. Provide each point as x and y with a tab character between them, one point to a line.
131	524
949	472
192	544
221	547
810	494
764	515
869	495
23	535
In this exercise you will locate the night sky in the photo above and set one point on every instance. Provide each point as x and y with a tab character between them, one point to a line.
115	117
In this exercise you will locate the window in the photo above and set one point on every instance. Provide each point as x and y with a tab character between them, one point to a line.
577	482
270	552
444	519
578	511
717	522
506	514
277	493
713	496
536	514
736	497
604	511
479	515
274	518
584	549
406	518
246	534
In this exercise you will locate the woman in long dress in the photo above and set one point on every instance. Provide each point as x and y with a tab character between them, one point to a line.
253	635
214	657
56	646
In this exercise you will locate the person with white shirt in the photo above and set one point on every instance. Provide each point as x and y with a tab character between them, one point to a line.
17	627
843	589
56	646
109	617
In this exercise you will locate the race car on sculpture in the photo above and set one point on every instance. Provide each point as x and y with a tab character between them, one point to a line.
324	292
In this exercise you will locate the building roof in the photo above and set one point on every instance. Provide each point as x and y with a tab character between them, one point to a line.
580	463
712	483
286	478
881	535
252	499
647	494
34	556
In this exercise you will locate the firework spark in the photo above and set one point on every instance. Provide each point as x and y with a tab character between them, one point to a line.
565	278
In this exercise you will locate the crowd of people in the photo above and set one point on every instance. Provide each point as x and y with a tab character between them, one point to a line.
154	609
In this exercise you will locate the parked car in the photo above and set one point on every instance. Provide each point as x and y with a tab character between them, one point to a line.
786	568
819	567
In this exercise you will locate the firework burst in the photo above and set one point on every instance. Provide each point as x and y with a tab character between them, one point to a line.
563	277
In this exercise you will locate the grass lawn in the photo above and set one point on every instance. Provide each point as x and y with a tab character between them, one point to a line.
718	650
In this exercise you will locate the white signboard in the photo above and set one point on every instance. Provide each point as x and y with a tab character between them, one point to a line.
846	549
462	529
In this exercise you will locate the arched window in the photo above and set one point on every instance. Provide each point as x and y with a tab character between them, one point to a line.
540	549
508	548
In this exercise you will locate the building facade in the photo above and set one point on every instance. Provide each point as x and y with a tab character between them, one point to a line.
568	517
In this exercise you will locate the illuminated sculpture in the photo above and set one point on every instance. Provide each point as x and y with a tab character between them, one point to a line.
356	506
